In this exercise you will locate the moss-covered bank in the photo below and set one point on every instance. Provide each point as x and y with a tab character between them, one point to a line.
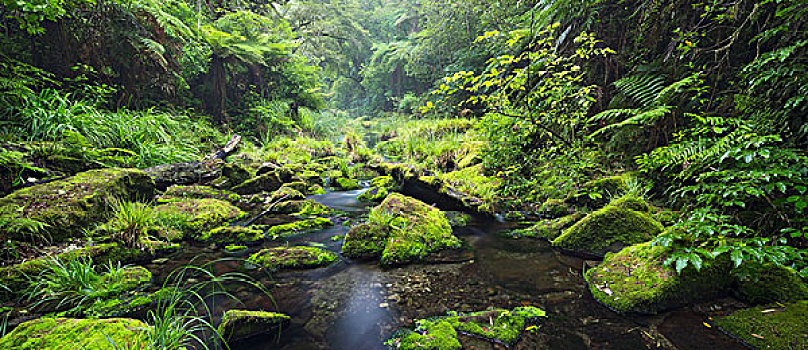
76	334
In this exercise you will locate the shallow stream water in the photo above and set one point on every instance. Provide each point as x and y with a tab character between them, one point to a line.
357	305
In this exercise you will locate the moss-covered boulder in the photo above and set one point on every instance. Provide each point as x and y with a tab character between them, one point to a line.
304	208
196	191
406	228
631	202
76	334
129	304
196	217
608	230
297	227
386	182
457	218
776	327
292	258
268	182
548	229
768	283
373	194
67	206
242	324
346	184
286	193
233	234
497	326
636	279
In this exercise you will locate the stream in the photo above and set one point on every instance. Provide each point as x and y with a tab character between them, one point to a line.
357	305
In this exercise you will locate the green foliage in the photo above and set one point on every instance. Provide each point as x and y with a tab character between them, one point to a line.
130	222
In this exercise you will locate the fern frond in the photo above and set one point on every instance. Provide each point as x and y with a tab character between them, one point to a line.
642	89
669	91
644	118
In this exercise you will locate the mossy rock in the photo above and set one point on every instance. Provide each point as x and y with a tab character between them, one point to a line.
386	182
234	174
196	217
233	234
776	327
304	208
346	184
236	250
428	335
365	241
769	283
608	230
129	304
667	217
292	258
636	280
134	278
555	208
373	194
286	193
199	192
631	202
297	227
268	182
548	229
69	205
498	326
76	334
242	324
407	228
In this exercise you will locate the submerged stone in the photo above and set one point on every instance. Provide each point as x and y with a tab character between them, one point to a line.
67	206
776	327
75	334
636	279
292	258
241	324
608	230
400	230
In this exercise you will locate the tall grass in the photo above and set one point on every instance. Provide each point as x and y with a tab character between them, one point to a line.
130	222
147	137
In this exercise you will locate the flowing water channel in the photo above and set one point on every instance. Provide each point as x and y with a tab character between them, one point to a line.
357	305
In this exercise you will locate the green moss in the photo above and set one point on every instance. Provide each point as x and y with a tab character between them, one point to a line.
385	182
242	324
548	229
234	174
196	217
304	208
775	327
407	228
131	278
374	194
428	335
69	205
286	193
266	182
232	234
73	334
477	190
631	202
769	283
297	227
199	192
292	258
667	217
637	280
608	229
346	184
365	241
500	326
